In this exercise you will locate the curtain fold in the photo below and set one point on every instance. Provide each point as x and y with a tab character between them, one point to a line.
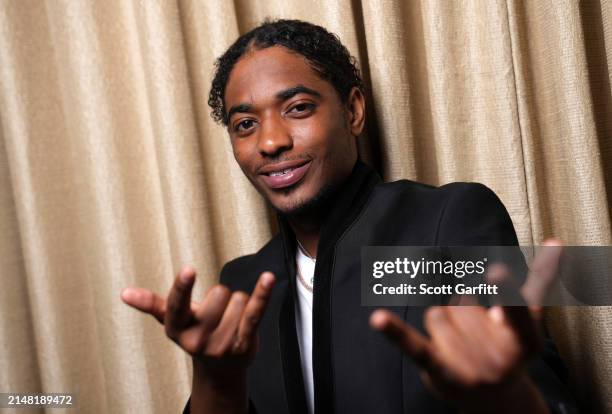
112	172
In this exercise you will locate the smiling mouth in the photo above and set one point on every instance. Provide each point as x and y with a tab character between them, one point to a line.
285	177
279	173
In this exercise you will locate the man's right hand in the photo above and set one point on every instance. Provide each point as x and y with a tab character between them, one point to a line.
220	333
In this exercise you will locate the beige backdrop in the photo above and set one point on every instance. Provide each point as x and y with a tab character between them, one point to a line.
112	173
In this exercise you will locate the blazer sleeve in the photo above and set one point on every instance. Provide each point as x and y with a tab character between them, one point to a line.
474	215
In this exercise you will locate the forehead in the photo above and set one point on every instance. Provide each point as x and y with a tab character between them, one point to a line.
259	74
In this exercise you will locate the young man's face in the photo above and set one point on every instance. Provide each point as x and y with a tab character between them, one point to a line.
291	135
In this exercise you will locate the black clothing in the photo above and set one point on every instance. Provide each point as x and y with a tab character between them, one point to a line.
356	369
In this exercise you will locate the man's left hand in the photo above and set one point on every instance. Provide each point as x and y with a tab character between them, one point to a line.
475	357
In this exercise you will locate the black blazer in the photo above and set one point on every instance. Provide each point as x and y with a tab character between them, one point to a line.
357	370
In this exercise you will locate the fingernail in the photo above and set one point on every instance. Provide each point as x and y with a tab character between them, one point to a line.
127	294
377	319
496	314
240	299
267	280
436	313
552	242
218	291
186	275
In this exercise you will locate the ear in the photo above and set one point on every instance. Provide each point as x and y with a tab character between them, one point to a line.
355	107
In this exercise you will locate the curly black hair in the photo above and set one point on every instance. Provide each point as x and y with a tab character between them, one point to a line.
322	49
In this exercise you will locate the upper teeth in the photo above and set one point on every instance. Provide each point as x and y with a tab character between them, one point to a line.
285	171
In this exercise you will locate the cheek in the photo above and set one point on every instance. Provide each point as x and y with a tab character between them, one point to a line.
240	153
316	137
237	155
337	142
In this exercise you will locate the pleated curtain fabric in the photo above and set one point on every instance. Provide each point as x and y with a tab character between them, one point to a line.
112	172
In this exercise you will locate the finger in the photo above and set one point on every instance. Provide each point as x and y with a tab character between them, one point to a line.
145	301
524	326
454	360
542	272
192	338
497	315
212	308
218	341
178	313
537	314
225	336
467	300
254	310
408	339
521	320
518	317
513	312
508	290
486	342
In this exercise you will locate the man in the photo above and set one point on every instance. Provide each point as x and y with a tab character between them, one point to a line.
293	103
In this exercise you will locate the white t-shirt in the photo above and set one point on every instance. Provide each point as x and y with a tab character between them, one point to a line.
303	322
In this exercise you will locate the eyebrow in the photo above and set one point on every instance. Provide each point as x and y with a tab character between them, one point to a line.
291	92
280	96
238	108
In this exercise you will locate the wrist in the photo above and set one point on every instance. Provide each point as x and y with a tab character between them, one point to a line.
218	390
216	375
520	395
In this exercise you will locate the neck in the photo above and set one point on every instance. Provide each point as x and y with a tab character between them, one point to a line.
307	224
307	231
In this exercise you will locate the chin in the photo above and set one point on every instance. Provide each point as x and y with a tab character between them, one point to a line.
298	204
292	209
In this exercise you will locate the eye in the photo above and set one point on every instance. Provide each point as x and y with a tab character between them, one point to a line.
243	125
301	107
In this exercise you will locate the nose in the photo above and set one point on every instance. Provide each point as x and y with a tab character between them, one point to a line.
274	138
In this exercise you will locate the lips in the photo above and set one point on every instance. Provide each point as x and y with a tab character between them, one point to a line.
284	174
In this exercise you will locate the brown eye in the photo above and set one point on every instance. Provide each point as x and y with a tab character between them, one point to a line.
301	107
243	125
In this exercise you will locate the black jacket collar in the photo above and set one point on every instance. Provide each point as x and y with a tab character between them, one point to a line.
344	207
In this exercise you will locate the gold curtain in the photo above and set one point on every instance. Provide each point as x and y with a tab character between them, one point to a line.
113	174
